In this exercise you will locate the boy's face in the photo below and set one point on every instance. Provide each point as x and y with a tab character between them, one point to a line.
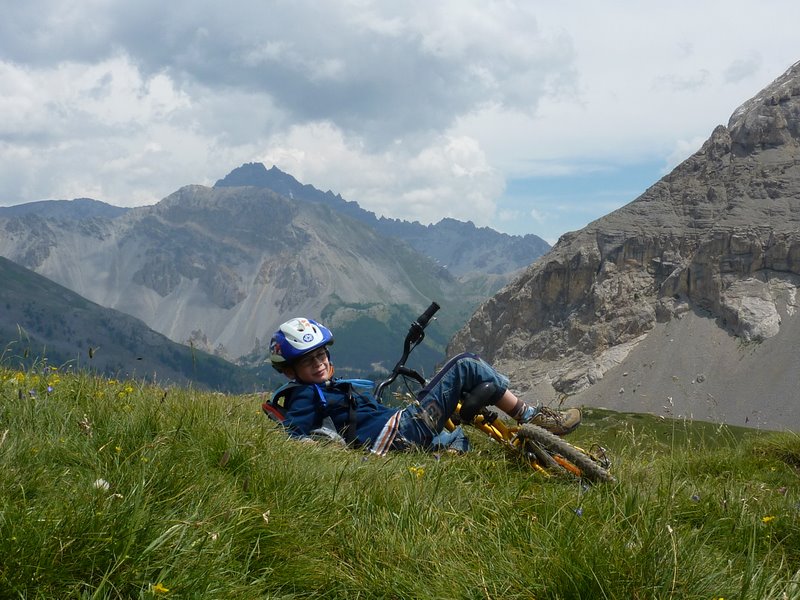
312	368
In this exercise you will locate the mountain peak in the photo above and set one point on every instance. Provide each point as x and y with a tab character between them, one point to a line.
255	174
460	245
769	119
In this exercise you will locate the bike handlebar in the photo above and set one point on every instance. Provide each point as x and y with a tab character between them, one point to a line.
417	330
423	319
415	335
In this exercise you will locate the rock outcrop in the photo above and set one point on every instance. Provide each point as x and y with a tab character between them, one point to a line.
718	237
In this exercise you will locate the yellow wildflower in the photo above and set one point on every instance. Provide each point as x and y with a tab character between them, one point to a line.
768	519
159	588
418	471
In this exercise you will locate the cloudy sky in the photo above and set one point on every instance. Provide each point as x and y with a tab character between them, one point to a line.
529	117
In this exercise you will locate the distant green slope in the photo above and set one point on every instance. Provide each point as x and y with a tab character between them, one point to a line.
43	321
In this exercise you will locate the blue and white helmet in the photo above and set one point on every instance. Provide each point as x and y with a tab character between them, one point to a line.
296	338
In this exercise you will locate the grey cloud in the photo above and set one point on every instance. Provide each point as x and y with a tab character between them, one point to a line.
683	83
742	68
310	60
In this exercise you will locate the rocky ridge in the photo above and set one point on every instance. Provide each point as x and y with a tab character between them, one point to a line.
718	239
465	250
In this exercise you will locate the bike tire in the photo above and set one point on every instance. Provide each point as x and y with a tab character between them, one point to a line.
552	443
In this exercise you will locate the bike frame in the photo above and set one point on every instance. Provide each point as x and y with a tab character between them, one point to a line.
492	425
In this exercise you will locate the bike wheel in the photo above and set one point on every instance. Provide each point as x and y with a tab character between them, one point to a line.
585	464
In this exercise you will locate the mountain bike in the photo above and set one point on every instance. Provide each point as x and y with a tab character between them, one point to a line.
543	451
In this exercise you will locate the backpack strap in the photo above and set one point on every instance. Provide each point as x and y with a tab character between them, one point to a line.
275	408
348	432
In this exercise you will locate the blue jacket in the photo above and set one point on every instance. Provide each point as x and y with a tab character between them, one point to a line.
301	407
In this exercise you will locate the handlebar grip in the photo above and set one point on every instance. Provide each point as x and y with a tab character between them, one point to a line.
423	319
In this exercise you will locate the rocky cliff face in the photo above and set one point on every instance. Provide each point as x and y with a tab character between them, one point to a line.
719	237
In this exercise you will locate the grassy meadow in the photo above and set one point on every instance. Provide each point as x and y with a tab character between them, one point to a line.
117	489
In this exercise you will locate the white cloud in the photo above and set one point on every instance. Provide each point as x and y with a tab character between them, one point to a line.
99	130
448	177
415	110
537	215
73	101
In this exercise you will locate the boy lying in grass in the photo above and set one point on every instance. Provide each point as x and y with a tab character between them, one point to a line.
315	402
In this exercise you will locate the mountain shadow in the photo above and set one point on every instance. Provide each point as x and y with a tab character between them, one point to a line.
42	322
